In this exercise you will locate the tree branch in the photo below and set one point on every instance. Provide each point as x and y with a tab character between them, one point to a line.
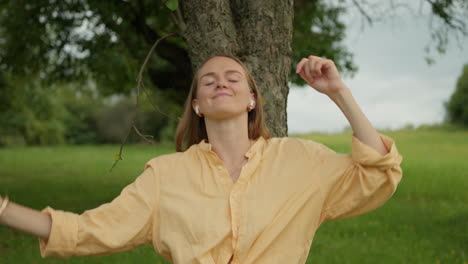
140	86
166	50
363	12
450	20
176	18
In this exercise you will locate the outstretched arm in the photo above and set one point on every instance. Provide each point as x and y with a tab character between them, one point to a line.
26	219
122	224
322	75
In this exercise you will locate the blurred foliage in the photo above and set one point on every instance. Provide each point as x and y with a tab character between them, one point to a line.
114	121
457	106
81	104
31	114
77	40
319	30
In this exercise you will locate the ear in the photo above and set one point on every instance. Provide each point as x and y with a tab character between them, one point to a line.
194	104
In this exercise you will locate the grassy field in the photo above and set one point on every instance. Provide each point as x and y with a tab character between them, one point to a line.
425	222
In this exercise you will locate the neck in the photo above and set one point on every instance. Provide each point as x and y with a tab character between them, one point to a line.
229	138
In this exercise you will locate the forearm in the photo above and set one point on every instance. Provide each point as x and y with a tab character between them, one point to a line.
361	126
26	219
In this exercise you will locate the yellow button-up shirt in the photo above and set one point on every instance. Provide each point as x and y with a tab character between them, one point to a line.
187	205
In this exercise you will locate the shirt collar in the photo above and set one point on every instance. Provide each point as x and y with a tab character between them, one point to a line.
256	147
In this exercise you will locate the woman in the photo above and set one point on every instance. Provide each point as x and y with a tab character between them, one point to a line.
234	195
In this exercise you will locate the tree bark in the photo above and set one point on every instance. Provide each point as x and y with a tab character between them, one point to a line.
259	32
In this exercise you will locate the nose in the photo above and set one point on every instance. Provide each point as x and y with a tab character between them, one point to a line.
222	83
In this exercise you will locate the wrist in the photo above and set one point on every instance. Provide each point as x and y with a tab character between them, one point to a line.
341	95
3	205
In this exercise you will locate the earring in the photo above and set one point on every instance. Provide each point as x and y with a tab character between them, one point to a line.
197	110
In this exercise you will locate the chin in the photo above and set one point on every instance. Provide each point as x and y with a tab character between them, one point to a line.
225	114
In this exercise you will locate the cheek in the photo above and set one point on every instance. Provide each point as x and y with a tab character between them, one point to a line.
243	90
203	95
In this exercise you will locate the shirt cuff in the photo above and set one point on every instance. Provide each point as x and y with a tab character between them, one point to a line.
63	235
367	156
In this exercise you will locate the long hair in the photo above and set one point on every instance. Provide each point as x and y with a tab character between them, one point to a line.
191	128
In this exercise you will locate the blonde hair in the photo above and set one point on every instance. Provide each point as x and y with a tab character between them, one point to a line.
191	128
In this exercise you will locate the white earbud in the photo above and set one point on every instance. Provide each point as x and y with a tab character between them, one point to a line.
197	110
250	107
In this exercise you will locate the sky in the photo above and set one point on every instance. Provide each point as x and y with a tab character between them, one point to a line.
394	85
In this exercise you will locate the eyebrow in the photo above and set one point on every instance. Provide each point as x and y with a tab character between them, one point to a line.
212	73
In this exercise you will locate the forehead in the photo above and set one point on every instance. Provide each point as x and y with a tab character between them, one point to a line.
220	64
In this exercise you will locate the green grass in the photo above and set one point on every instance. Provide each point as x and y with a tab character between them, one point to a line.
426	221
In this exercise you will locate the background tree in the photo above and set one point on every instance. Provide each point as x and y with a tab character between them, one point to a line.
105	41
457	106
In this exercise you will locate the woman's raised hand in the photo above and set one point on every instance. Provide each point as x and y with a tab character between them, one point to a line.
321	74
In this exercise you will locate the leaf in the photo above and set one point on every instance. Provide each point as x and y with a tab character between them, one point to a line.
117	157
429	60
172	4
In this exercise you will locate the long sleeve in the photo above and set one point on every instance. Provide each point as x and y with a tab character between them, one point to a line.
120	225
356	183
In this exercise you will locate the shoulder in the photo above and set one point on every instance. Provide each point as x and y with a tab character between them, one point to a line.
167	159
292	143
296	146
175	159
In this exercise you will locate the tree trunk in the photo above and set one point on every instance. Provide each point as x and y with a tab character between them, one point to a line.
259	32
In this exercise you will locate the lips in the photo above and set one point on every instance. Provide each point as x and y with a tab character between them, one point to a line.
221	94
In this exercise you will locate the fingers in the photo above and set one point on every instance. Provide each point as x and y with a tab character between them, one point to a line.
319	67
308	70
300	65
312	67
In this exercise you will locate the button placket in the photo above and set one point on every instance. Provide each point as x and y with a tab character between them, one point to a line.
235	201
220	168
235	214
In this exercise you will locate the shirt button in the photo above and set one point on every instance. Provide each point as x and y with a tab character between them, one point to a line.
219	167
